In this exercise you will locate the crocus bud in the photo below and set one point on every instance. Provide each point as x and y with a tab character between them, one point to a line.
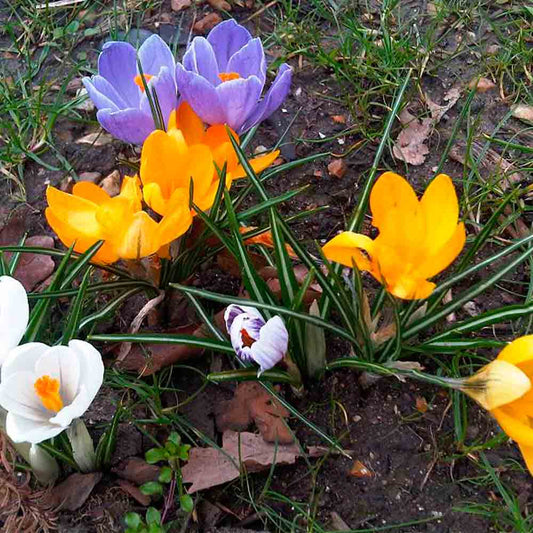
82	446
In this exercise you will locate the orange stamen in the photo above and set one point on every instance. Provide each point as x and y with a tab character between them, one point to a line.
139	81
228	76
47	389
246	339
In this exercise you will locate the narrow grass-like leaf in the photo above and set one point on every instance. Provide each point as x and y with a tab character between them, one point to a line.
250	374
107	443
74	317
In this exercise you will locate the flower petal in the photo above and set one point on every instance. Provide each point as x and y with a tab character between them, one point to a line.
14	314
154	54
249	61
238	98
177	220
91	366
164	86
346	248
516	424
227	38
59	362
128	125
200	58
272	345
18	396
441	210
519	351
22	358
140	238
103	94
118	65
243	352
91	192
527	454
75	409
189	123
20	429
272	100
200	95
258	164
232	311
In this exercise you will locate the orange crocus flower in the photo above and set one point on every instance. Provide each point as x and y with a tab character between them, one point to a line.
417	238
188	151
89	215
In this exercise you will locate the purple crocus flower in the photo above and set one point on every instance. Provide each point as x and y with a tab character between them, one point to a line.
222	78
255	339
118	92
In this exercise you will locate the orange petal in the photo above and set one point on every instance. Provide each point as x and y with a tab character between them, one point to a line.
441	210
90	191
131	190
114	217
140	238
74	211
154	198
177	220
257	163
519	351
515	423
190	124
346	248
527	454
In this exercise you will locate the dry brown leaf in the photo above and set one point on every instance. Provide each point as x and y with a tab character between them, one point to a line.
134	492
523	112
438	111
97	138
384	334
337	168
251	402
207	23
264	238
72	493
410	145
136	470
222	5
421	404
179	5
209	467
34	268
111	183
360	470
482	85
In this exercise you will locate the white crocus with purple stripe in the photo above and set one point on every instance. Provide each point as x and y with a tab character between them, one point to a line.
254	339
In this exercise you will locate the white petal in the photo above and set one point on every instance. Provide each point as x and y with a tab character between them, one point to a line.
20	429
17	395
232	311
22	357
76	409
272	344
14	314
43	465
91	367
61	363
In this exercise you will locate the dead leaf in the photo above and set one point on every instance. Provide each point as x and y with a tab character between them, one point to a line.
227	262
339	119
482	85
97	138
209	467
207	23
522	112
410	145
337	168
251	402
384	334
337	523
421	404
264	238
222	5
136	470
111	183
91	177
179	5
438	111
360	470
134	492
72	493
34	268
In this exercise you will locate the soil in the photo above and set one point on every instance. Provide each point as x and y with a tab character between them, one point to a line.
415	470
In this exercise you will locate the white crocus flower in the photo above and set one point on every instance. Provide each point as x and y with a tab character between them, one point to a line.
255	339
14	314
43	388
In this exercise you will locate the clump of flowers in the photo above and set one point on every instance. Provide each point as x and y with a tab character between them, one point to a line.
417	238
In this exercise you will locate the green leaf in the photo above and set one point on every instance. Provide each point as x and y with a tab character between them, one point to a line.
151	488
315	346
154	455
107	443
153	516
71	327
133	520
186	503
165	474
175	438
250	374
183	453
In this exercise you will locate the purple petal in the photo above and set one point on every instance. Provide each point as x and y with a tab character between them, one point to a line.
200	58
273	99
238	98
128	125
165	89
232	311
104	98
200	95
272	344
243	352
154	54
118	65
226	38
249	61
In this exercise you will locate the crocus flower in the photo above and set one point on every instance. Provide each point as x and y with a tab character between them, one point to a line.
417	238
118	91
254	339
14	314
89	215
169	160
43	388
503	387
222	78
